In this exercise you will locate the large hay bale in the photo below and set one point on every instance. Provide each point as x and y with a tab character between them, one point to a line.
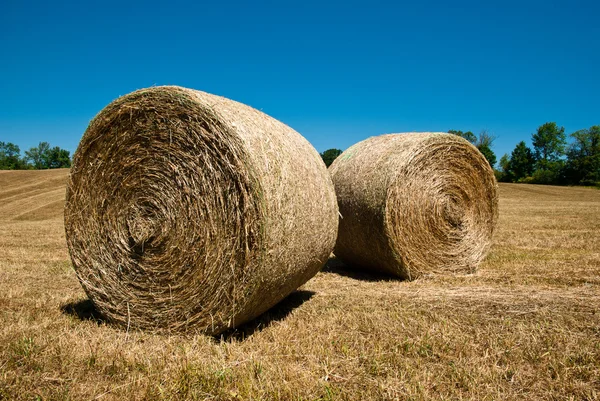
187	210
414	203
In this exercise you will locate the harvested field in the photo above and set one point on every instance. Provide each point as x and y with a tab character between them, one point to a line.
525	326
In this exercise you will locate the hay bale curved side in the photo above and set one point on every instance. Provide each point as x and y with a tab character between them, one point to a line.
187	210
414	203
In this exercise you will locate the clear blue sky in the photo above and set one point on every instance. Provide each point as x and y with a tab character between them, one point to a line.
337	72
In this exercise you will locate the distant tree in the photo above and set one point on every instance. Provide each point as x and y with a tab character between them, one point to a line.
583	157
10	157
485	139
483	143
521	162
548	143
330	155
469	136
58	158
505	174
38	156
505	163
488	153
41	157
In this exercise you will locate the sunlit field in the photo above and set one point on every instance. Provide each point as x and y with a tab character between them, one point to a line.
525	326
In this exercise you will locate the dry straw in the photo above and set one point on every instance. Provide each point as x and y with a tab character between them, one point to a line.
414	204
187	210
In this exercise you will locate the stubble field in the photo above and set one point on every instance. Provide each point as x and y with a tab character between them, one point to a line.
525	326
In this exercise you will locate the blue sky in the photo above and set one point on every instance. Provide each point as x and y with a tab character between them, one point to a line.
337	72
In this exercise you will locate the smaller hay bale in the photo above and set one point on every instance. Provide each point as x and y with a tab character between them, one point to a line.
187	211
414	204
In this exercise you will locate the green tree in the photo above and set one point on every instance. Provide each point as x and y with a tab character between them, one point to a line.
505	175
10	157
548	144
483	142
488	153
505	163
583	157
469	136
38	156
58	158
521	162
330	155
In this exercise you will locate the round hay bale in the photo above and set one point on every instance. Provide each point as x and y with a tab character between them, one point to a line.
413	204
189	211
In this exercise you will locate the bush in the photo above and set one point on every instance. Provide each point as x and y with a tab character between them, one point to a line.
543	177
501	176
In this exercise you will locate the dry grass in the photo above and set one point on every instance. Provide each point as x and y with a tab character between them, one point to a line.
526	326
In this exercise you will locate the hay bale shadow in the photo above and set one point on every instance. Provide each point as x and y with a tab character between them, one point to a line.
277	313
83	310
336	266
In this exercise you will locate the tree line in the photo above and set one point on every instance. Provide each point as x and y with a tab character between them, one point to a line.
555	158
40	157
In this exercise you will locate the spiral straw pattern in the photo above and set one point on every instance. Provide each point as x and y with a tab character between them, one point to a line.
414	204
189	211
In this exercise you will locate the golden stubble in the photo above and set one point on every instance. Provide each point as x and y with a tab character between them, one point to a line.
525	326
